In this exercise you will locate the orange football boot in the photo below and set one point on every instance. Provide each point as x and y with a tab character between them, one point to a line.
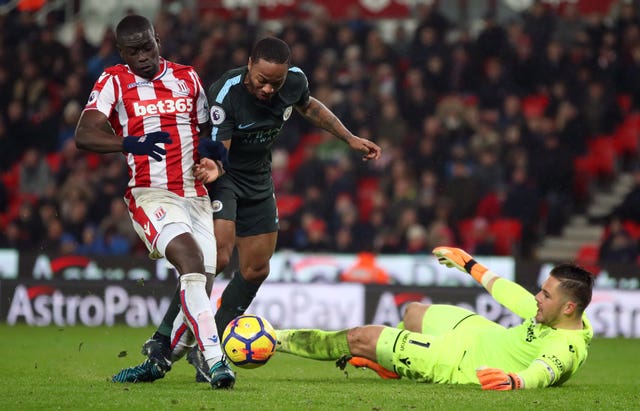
385	374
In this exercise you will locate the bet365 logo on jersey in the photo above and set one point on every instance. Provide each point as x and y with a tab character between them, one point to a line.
168	106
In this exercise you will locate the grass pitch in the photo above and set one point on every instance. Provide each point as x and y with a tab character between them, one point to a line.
69	368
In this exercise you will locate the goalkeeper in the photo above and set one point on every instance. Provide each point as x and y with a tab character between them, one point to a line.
451	345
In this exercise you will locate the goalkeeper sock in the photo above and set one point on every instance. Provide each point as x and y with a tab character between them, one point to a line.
314	344
235	299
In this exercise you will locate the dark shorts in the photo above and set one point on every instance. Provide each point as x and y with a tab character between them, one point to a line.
255	215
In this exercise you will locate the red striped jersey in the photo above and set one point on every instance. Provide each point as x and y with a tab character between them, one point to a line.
173	101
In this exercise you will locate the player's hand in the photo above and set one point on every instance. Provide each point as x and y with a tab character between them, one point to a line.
496	379
147	145
458	258
214	150
208	170
370	149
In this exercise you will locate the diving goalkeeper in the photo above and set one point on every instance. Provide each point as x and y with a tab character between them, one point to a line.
451	345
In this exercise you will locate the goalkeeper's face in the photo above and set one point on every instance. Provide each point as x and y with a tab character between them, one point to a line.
552	303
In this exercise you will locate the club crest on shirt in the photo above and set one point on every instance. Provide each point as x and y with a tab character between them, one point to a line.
217	115
216	205
160	213
93	97
287	113
183	88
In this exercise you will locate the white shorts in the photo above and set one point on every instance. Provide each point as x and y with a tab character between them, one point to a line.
151	209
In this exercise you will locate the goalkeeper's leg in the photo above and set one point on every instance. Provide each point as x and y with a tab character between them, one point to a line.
358	342
412	320
432	319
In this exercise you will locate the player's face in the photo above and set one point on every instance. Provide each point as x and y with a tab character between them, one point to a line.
265	78
551	303
141	52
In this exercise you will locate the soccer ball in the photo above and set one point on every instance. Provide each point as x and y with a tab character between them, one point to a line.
249	341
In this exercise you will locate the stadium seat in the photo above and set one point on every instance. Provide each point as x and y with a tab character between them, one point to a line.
507	234
633	228
624	102
297	156
489	206
625	139
11	179
465	233
587	256
54	160
602	152
366	189
288	204
534	105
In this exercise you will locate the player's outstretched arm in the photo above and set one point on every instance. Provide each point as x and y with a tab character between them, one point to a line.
319	115
509	294
460	259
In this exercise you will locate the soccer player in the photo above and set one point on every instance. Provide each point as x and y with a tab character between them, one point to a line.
158	111
248	107
449	344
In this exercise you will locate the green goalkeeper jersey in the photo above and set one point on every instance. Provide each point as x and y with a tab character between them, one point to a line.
541	355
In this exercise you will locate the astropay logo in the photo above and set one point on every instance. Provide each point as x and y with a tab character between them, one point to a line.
168	106
43	305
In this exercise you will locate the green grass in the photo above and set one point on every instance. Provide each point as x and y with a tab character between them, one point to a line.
69	369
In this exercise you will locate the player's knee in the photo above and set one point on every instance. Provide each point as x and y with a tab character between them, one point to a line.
412	317
185	254
256	275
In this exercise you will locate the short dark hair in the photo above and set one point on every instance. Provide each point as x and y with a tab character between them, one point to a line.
576	282
132	24
271	49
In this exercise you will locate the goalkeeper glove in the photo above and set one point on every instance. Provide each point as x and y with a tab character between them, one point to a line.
214	150
496	379
147	144
460	259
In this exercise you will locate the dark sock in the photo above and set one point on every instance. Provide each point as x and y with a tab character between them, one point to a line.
235	299
165	327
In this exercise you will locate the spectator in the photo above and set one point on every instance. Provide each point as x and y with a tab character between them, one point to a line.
36	178
441	107
417	240
629	208
618	246
464	191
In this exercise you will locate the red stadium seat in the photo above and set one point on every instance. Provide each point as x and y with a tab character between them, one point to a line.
465	230
297	156
602	152
587	256
625	140
507	233
534	105
632	227
288	204
624	102
366	189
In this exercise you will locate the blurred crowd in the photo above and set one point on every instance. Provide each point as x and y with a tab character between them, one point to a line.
475	128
